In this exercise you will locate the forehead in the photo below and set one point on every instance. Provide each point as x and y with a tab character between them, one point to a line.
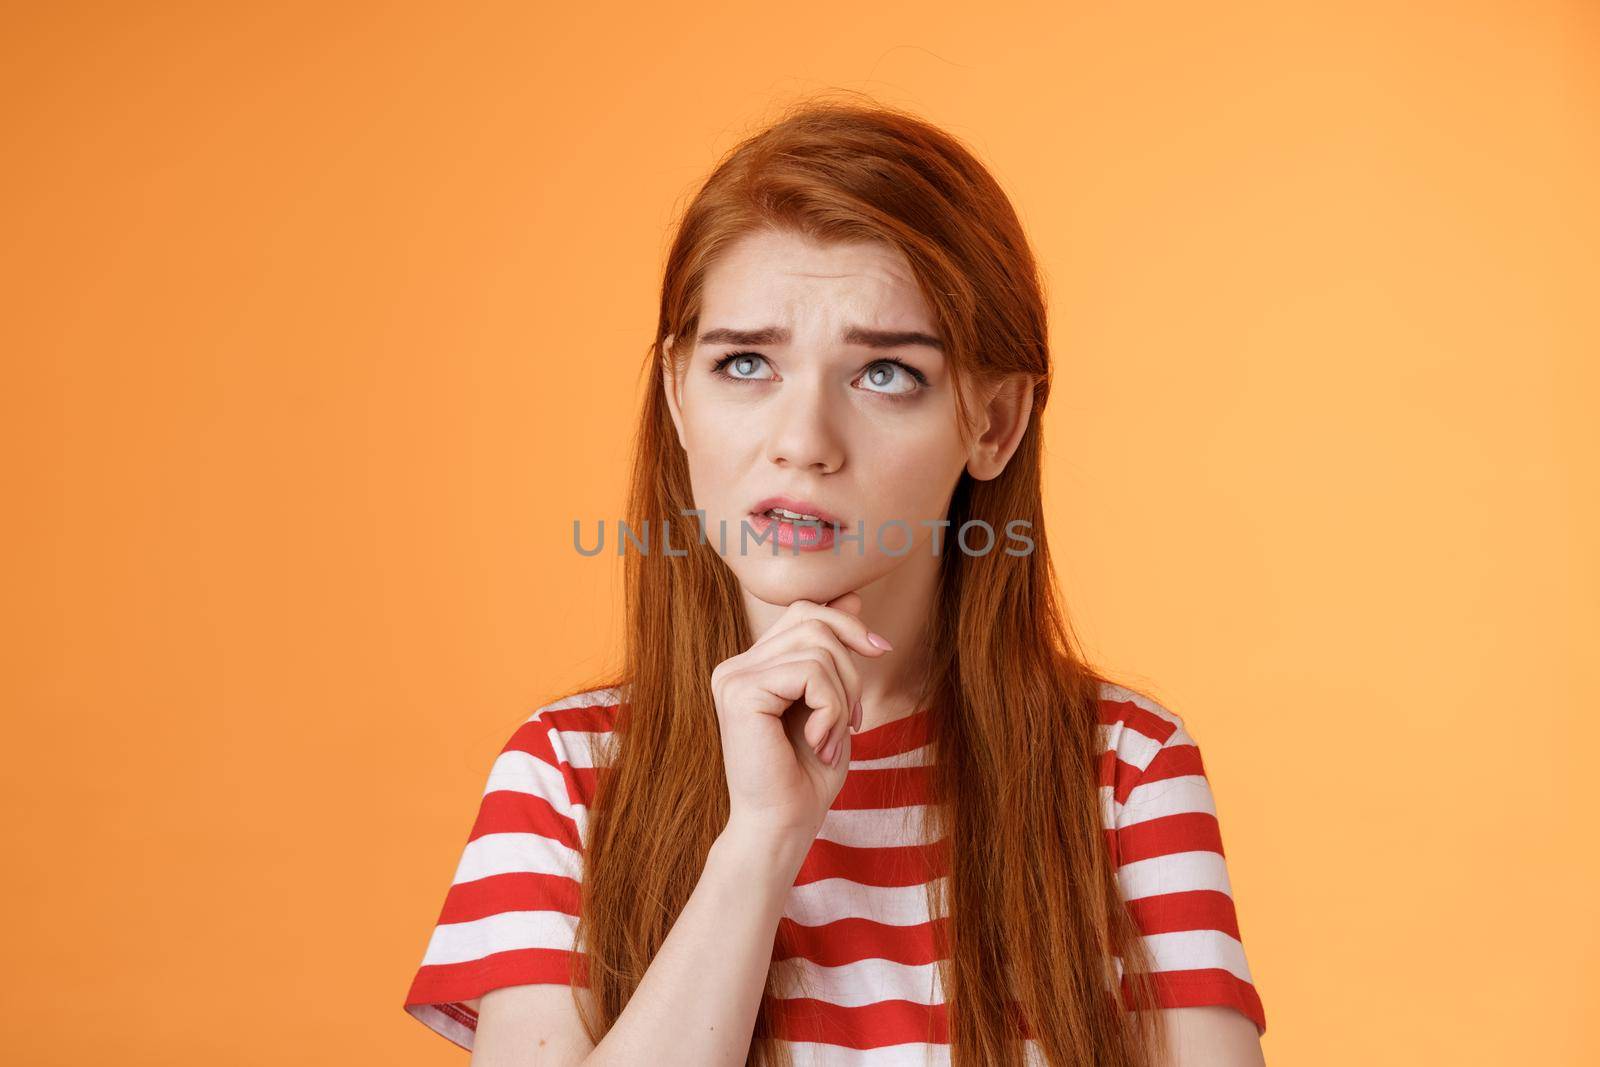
781	277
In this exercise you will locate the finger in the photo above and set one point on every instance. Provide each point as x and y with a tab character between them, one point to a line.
808	677
840	735
795	612
842	752
808	634
850	628
831	705
822	723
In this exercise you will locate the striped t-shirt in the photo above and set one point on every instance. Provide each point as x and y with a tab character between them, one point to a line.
856	924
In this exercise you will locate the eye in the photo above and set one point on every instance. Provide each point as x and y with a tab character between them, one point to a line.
882	374
744	365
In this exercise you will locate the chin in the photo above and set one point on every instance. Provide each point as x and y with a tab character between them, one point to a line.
784	580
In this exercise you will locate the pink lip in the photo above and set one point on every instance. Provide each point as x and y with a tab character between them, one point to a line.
801	507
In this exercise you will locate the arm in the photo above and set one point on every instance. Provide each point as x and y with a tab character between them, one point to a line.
697	1001
1174	877
1211	1036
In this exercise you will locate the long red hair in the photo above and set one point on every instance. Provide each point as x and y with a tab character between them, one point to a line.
1032	909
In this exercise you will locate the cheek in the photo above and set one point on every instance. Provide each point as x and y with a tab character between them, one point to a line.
709	420
715	444
913	478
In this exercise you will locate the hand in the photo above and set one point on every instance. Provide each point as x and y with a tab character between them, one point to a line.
786	707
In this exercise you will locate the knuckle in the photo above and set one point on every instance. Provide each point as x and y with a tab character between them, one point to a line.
820	657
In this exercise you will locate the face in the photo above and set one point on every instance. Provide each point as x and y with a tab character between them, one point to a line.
816	376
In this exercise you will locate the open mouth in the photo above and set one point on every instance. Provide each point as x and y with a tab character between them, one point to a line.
785	515
795	524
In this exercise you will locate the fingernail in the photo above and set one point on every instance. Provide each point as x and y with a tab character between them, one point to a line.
855	717
828	751
879	640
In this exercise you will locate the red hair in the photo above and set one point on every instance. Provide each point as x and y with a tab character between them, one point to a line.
1033	910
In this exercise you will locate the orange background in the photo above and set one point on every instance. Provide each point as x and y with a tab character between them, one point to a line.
324	322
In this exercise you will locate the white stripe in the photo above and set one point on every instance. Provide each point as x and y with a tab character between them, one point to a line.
921	756
873	827
867	981
590	698
1184	950
573	748
523	772
1179	872
831	899
1131	746
577	746
914	1054
1180	736
501	932
517	853
1170	796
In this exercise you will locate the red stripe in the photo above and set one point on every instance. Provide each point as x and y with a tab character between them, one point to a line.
580	783
461	1014
887	1022
882	1023
883	787
1134	717
852	940
889	866
1121	775
443	983
1174	761
596	719
1202	987
533	737
507	811
1194	909
518	891
1192	831
892	738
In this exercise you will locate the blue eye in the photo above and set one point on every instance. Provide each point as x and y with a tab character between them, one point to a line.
879	374
882	373
742	360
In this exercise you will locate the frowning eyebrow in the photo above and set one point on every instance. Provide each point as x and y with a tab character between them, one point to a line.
856	335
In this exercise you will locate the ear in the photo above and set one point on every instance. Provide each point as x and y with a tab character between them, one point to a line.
1003	420
670	385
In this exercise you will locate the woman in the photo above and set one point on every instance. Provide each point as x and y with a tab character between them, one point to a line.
856	800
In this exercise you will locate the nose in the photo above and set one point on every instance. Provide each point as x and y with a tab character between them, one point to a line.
800	429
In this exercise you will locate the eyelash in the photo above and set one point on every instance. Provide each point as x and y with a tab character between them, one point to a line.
920	378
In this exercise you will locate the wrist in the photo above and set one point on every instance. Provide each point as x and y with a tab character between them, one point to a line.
750	846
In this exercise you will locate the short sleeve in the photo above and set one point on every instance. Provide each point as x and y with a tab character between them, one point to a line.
1167	844
511	913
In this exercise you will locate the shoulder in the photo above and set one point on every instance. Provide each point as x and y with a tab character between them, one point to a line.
1137	726
1142	741
559	739
573	720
